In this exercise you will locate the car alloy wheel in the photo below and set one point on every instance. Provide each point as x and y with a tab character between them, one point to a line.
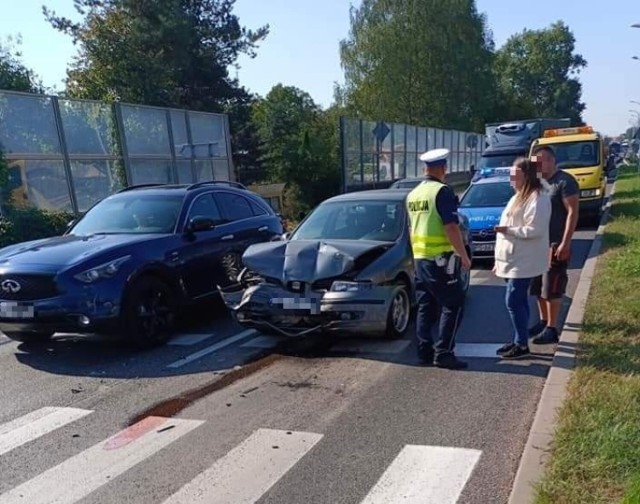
232	265
399	313
151	312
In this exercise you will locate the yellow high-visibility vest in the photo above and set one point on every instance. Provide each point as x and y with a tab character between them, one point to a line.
428	237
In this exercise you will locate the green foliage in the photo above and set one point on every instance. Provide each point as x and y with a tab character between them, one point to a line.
14	76
4	175
536	74
245	141
422	63
24	225
595	456
299	145
434	63
164	52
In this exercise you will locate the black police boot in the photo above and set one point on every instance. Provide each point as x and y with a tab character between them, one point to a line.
450	361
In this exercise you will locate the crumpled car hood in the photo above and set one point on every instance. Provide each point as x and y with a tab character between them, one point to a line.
309	260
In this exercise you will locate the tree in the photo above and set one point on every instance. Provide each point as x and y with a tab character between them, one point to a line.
426	62
299	142
14	76
537	70
245	141
157	52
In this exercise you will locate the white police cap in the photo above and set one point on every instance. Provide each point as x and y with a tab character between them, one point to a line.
435	156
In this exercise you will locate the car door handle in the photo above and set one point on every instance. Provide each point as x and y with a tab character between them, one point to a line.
227	237
263	228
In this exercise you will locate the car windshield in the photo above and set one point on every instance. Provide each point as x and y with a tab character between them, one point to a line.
576	154
354	220
131	213
487	195
496	161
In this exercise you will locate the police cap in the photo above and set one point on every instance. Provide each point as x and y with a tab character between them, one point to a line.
435	157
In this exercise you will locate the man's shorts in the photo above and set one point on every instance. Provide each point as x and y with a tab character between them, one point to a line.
552	284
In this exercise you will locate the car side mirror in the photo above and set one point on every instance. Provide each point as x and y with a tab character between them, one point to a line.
198	224
286	236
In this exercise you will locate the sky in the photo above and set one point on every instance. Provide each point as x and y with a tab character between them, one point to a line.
302	48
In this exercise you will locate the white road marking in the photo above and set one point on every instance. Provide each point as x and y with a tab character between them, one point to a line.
262	342
483	276
245	473
421	474
36	424
478	350
77	477
380	347
475	273
189	339
213	348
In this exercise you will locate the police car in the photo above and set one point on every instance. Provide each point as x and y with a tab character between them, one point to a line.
482	204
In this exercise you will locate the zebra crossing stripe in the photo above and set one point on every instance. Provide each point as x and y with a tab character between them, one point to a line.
77	477
244	474
36	424
420	474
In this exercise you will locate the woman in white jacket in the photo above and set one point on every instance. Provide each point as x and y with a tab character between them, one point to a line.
522	248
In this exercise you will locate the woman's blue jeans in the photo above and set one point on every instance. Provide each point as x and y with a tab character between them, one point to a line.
517	301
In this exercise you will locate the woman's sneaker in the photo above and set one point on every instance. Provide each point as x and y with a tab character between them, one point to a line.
517	352
505	348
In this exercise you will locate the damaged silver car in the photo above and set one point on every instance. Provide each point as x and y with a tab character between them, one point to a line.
347	267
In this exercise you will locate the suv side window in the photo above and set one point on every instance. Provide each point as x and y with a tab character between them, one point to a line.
234	206
205	206
257	209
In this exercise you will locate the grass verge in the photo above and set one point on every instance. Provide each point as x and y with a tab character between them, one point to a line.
596	451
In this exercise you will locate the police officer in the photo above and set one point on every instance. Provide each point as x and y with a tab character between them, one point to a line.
438	251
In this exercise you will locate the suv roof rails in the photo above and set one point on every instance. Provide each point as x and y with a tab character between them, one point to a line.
230	183
140	186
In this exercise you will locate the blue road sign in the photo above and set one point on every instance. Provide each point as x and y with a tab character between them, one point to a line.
381	131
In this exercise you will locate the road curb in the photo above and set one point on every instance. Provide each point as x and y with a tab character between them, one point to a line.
536	450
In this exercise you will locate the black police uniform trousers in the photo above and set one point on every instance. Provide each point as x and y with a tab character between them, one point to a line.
440	298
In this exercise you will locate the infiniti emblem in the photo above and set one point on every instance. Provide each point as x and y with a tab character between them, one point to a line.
10	286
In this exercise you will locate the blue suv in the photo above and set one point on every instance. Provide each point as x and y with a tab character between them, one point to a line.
132	262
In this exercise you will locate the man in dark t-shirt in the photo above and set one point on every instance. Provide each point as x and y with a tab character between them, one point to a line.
550	287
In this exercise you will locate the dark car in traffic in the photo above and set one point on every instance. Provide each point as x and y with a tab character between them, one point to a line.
347	267
132	262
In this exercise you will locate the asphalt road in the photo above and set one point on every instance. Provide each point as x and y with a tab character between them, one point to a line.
223	415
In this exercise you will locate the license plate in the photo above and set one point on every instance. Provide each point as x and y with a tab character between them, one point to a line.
16	310
312	305
484	247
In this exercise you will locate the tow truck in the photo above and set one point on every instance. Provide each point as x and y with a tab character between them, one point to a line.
580	151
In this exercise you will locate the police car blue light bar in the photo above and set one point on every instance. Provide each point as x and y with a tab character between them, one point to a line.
491	172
